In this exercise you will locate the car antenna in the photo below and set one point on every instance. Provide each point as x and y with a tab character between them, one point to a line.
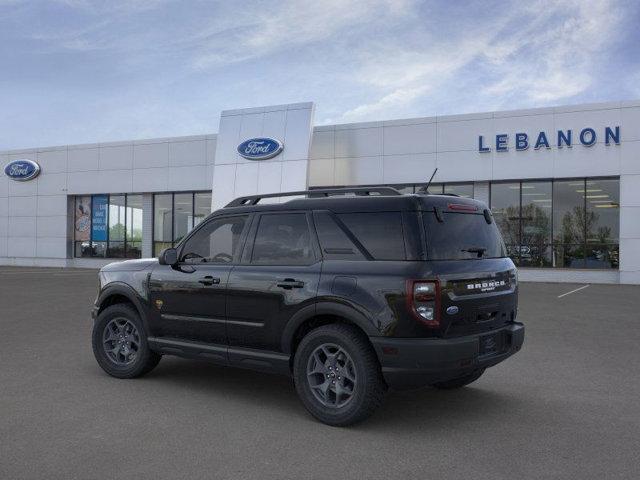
426	188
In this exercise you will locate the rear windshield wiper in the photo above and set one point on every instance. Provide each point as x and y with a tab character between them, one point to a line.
479	250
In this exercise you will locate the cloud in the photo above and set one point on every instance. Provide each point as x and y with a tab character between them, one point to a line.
555	63
288	24
541	53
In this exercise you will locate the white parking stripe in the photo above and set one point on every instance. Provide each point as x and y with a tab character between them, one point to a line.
573	291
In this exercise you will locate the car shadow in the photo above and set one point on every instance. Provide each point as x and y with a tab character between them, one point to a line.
404	411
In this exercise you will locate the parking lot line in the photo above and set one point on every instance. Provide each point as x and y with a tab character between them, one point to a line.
573	291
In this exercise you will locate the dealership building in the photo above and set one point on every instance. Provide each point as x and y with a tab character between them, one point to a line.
563	182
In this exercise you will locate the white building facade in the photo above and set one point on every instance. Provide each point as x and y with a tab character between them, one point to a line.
563	182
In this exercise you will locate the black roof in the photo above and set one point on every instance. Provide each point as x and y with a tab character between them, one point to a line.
358	203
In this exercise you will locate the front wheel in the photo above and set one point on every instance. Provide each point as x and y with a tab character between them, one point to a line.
337	375
460	381
120	343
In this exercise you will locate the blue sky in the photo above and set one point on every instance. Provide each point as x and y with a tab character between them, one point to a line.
79	71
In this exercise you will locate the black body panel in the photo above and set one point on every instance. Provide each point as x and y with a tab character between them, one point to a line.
250	315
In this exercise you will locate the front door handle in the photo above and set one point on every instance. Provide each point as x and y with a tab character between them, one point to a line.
209	280
289	283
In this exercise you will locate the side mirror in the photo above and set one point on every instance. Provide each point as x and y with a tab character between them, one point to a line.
169	256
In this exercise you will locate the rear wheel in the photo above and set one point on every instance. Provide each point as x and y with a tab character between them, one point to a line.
120	343
460	381
337	375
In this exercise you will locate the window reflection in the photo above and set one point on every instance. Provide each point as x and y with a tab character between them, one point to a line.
115	247
134	226
108	226
535	244
461	189
182	215
175	215
162	222
202	207
505	205
565	223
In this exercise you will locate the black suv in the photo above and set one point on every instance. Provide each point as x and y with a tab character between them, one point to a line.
349	291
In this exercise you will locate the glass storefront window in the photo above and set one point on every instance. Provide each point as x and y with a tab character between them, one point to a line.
434	188
569	223
461	189
117	220
201	207
182	215
603	223
108	226
162	222
134	226
505	205
175	215
564	223
535	243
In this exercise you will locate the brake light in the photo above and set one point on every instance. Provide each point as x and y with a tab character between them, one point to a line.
461	207
423	298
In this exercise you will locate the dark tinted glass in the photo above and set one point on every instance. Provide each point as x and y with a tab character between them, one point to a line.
334	242
283	240
216	242
459	233
380	233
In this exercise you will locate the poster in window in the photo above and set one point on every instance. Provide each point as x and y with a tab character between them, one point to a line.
83	219
99	218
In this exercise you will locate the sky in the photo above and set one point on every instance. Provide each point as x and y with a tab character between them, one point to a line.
80	71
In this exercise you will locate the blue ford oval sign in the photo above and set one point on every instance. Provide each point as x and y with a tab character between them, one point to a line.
260	148
22	170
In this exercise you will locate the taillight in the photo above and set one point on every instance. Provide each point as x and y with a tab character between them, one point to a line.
423	297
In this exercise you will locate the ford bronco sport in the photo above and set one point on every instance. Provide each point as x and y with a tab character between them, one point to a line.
349	291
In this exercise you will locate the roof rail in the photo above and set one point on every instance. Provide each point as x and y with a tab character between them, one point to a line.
321	192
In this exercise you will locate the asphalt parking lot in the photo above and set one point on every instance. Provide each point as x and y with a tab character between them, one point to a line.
567	406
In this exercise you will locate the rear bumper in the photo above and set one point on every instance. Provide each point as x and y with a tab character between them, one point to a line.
416	362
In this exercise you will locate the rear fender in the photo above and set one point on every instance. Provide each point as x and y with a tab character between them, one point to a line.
349	314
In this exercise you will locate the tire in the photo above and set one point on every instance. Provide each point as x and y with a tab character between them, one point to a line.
360	378
460	381
136	358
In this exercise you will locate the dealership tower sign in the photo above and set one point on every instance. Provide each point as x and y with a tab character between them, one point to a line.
260	148
564	138
22	170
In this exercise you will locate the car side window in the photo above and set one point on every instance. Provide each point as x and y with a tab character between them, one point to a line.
283	239
334	242
216	242
381	233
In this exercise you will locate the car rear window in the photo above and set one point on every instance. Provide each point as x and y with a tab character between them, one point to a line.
380	233
462	236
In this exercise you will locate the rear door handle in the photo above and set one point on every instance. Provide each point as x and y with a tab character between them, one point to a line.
289	283
209	280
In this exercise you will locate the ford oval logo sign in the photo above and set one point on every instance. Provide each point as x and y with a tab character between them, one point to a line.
452	310
22	170
260	148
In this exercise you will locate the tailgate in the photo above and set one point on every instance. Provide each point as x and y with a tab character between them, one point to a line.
476	295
